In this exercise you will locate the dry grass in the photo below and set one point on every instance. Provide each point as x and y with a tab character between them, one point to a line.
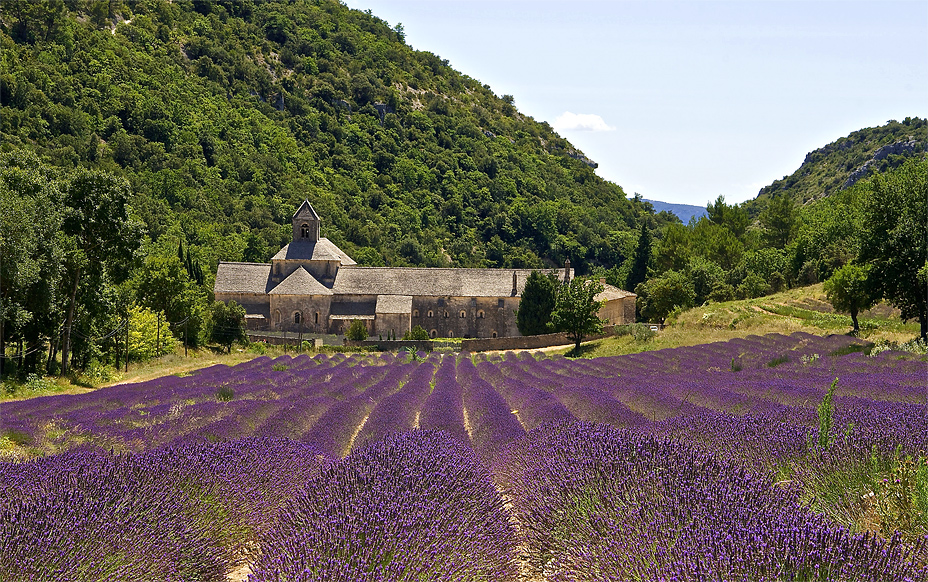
803	309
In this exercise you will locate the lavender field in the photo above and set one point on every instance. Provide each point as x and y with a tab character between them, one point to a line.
728	461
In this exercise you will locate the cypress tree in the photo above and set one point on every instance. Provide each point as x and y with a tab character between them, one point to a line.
639	271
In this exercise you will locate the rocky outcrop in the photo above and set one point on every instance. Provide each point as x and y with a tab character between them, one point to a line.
899	148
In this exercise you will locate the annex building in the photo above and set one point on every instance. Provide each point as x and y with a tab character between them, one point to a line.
312	286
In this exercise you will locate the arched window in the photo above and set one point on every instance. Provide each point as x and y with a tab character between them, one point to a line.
296	317
494	334
446	315
463	313
430	313
304	231
480	314
415	313
316	317
450	333
277	316
433	333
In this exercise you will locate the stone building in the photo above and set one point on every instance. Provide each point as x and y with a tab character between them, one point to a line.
312	286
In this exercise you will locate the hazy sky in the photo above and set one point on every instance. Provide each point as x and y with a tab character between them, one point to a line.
683	101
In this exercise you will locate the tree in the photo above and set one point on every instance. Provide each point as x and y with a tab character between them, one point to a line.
733	217
706	277
779	220
895	215
576	309
660	296
357	331
227	324
416	333
96	219
534	314
639	271
850	291
30	254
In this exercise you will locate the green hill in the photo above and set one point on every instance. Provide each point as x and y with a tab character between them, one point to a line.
225	114
843	163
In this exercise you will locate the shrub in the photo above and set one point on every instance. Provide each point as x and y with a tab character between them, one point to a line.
225	394
357	331
417	333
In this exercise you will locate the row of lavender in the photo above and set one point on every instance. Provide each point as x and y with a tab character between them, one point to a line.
341	404
588	502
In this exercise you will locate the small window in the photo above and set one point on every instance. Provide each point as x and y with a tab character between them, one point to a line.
276	316
430	313
480	314
500	303
494	334
415	313
316	317
450	334
446	315
296	317
304	231
463	313
433	333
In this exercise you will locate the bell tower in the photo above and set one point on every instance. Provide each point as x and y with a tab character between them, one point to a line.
306	224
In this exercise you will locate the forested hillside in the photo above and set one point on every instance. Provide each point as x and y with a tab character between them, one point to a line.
225	114
842	163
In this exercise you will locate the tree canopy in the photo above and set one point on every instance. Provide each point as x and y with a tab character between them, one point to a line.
895	215
850	291
576	310
537	304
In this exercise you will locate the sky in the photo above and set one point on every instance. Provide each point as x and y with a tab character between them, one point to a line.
685	101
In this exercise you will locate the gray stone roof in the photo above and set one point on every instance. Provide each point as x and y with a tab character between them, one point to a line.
242	278
321	250
394	304
610	293
300	282
306	210
424	282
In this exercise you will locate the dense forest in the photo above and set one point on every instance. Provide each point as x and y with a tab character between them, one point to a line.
142	142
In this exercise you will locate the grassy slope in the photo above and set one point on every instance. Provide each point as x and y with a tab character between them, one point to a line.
802	309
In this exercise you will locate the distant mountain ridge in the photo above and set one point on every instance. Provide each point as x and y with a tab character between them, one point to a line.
842	163
682	211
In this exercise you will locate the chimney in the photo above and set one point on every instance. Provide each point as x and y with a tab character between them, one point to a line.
567	271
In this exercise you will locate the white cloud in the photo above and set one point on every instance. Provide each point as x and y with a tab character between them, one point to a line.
568	121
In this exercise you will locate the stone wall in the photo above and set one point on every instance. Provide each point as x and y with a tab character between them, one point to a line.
466	317
391	346
529	342
314	310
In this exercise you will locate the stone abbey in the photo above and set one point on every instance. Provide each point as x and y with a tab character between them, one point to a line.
312	286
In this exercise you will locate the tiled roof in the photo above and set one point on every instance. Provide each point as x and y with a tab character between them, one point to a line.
431	282
610	293
300	282
394	304
242	278
321	250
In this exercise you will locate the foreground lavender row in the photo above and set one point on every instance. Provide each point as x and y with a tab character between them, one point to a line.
683	463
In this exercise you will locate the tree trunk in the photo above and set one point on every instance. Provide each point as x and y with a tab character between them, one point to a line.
923	320
158	343
66	338
854	319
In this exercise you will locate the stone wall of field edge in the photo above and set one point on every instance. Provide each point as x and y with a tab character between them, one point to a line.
391	346
529	342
